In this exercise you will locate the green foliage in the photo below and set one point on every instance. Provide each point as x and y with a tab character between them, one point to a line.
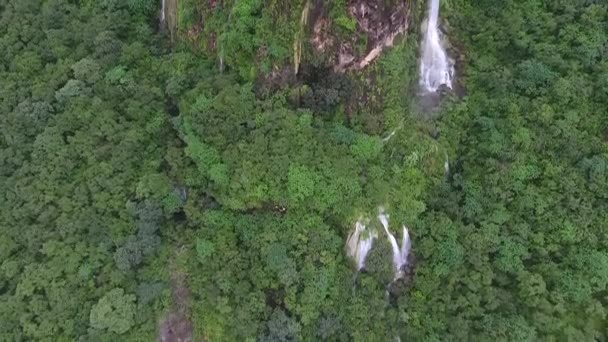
300	183
144	8
187	13
204	249
115	312
379	262
75	147
122	162
87	70
533	78
148	292
250	36
131	254
338	11
367	148
348	24
281	328
521	205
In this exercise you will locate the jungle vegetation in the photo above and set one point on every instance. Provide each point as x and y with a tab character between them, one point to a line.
133	155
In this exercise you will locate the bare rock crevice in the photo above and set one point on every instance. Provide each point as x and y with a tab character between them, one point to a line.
176	326
378	22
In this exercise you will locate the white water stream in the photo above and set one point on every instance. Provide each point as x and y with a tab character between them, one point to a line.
361	241
436	68
162	12
359	244
399	254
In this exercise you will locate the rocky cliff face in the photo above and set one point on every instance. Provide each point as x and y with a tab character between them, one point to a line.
343	35
378	23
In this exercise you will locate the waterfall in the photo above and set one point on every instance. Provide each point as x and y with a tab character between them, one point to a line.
361	241
359	244
162	12
436	68
400	255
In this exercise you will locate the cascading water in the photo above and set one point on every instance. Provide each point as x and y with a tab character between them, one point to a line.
162	12
436	68
400	255
361	240
359	244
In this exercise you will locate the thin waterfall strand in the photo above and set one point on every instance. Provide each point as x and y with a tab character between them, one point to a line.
406	245
400	255
396	252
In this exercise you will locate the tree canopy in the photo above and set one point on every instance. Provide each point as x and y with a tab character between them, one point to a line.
184	177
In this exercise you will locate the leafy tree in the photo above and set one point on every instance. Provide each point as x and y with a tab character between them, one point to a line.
115	312
281	328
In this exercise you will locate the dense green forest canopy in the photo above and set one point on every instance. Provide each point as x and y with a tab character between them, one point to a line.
177	179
